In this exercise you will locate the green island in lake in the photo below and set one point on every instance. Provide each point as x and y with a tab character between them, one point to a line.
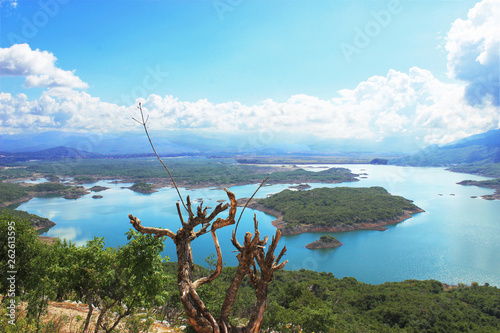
335	209
324	242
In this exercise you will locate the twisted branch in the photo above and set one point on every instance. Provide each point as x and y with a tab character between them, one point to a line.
158	232
219	223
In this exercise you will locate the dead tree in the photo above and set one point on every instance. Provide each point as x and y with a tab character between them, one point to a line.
253	261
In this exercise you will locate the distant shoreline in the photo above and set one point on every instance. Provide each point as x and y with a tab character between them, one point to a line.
494	196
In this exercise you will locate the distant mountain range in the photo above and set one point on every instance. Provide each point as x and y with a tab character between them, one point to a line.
475	154
478	154
55	153
479	148
127	143
189	142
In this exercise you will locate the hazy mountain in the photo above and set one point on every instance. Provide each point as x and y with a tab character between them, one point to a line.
200	142
126	143
477	149
55	153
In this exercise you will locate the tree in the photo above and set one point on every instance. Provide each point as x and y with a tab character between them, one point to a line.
136	280
92	268
253	261
119	281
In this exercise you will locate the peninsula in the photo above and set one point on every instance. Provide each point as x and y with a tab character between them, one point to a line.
38	222
489	183
15	193
334	209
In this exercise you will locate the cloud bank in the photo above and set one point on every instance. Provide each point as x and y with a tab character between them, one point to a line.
473	47
398	104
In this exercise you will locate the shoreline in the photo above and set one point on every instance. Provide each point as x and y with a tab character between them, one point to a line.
494	196
280	224
32	195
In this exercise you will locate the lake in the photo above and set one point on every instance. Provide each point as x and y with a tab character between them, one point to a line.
454	241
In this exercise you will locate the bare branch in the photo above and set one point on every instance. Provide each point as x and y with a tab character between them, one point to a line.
235	242
189	209
220	223
149	230
203	230
143	123
272	248
241	214
218	267
218	209
180	213
282	253
137	121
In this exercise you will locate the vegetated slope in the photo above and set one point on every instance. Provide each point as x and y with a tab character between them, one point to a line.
319	302
11	192
36	221
308	301
337	206
478	153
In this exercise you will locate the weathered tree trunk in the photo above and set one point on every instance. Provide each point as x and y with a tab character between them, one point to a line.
198	315
90	301
251	253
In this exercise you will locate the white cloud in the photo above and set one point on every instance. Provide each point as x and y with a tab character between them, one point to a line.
13	3
413	104
60	108
473	47
38	67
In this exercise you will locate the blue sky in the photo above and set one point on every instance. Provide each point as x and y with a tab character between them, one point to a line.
410	69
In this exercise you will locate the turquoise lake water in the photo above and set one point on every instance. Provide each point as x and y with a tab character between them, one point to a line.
456	239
